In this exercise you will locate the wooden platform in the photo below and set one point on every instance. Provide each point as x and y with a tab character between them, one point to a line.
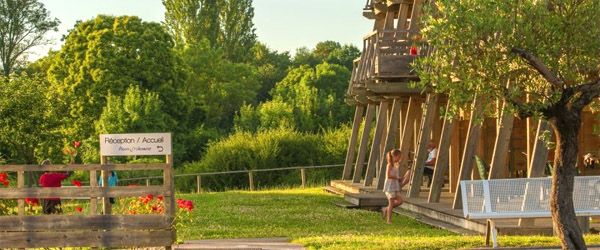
369	197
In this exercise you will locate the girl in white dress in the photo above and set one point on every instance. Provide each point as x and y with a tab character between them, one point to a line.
393	183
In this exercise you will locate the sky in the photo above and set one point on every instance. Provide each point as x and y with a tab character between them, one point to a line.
283	25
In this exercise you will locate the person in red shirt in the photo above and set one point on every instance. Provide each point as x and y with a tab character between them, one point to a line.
52	179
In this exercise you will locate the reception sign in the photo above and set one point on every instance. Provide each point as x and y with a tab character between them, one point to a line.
135	144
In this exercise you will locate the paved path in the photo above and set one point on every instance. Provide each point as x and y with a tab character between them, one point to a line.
246	244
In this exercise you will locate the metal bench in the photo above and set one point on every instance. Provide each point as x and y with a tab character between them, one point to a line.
523	198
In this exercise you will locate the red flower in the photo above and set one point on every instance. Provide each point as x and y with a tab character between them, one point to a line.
3	178
76	183
413	50
154	208
76	144
150	196
32	201
133	185
185	204
79	209
159	197
133	212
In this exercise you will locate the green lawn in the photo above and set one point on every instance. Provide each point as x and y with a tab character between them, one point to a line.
307	216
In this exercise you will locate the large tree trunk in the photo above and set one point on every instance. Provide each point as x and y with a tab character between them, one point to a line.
566	124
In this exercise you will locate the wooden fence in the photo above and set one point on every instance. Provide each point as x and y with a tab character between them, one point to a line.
249	172
93	230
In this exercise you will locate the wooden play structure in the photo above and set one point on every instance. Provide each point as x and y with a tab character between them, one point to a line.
408	118
92	229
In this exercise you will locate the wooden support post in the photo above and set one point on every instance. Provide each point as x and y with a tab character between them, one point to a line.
303	176
147	182
416	12
169	183
21	184
93	200
424	137
251	180
375	146
497	168
402	17
466	165
352	144
389	140
364	142
106	206
199	183
442	159
537	166
455	157
414	109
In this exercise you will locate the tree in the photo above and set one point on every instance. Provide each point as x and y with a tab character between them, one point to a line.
110	54
327	51
306	99
191	21
217	87
238	37
138	112
272	67
548	49
226	24
23	24
29	123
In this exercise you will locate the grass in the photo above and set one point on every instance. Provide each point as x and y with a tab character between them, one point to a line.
307	216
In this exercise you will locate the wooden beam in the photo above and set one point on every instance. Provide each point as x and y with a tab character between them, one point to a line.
392	88
424	137
120	191
414	110
455	157
364	141
106	206
21	202
376	145
498	165
84	167
358	114
538	163
93	200
442	158
85	222
402	17
416	15
389	140
466	165
85	239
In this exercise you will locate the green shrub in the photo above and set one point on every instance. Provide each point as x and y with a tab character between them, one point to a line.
274	148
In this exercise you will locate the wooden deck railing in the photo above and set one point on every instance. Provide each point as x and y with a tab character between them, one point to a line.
386	55
93	230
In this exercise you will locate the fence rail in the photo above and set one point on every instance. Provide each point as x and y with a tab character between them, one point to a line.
249	172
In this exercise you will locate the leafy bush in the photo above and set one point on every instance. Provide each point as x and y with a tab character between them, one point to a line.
276	148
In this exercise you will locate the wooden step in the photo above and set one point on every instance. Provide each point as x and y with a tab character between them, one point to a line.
445	217
367	200
435	223
333	190
345	204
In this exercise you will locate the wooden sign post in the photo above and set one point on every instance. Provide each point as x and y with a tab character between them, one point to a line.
139	144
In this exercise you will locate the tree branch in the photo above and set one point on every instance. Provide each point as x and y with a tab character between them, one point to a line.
588	91
538	65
